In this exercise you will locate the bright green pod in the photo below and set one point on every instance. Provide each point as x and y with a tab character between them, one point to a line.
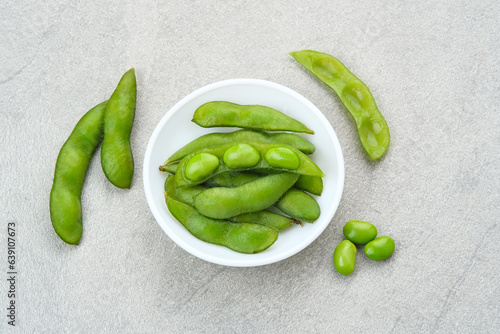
241	156
116	153
373	131
69	175
311	184
240	237
359	232
380	248
299	205
222	203
201	166
344	257
184	194
254	117
219	138
282	157
263	217
306	167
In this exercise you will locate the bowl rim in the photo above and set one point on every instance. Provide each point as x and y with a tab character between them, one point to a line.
247	262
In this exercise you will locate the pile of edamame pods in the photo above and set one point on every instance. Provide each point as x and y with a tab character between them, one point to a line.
111	120
238	189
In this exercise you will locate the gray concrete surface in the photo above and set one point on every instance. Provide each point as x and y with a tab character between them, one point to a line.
433	67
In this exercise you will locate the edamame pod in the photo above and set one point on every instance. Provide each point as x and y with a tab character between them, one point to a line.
255	117
299	205
344	257
263	217
306	165
217	139
373	131
222	203
240	237
116	154
71	167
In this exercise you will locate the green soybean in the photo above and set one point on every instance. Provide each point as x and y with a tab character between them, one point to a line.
218	138
240	237
241	156
373	131
255	117
222	203
201	166
344	257
282	157
69	176
307	166
299	205
359	232
116	153
380	249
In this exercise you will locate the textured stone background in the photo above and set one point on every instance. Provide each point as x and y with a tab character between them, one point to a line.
433	67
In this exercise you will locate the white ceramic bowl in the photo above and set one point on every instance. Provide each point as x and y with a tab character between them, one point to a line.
176	129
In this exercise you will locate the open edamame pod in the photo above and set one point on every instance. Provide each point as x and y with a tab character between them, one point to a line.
222	203
240	237
216	139
256	117
306	165
71	167
373	131
116	154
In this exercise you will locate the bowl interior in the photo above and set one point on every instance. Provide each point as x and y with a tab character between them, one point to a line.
176	129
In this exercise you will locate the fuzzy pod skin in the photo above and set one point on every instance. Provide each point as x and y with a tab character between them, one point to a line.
254	117
116	153
240	237
69	176
373	131
299	205
262	217
223	203
217	138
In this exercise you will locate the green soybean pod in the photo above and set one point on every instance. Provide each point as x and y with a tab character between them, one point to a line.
71	168
311	184
299	205
344	257
222	203
116	154
266	217
263	217
380	248
306	167
223	138
184	194
240	237
359	232
255	117
373	131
